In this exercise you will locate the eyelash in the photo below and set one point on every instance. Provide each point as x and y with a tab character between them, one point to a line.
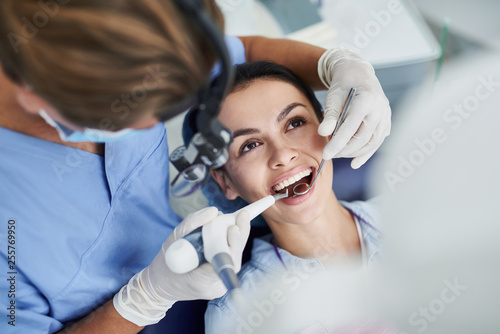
250	142
245	145
295	119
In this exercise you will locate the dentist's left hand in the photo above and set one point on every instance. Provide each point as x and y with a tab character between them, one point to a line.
151	292
368	120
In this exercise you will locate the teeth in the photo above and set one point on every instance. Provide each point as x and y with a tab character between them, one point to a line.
292	179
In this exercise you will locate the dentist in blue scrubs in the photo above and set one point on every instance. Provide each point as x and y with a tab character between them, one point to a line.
84	190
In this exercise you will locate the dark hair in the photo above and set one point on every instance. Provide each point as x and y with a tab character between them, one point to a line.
248	73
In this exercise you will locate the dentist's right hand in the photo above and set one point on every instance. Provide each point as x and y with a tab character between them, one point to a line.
150	293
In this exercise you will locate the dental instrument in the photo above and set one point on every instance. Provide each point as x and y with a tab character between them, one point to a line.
209	244
303	188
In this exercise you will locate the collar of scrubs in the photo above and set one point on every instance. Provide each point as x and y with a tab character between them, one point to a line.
368	235
262	247
281	253
123	157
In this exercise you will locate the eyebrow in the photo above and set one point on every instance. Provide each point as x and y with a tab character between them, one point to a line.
243	132
287	110
281	116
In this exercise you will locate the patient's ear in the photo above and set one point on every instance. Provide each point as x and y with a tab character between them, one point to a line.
227	187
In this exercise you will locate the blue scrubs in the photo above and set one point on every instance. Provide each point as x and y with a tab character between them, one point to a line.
84	224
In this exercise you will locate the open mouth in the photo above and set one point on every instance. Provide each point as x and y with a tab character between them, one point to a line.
304	176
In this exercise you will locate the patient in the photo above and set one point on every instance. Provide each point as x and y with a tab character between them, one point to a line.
274	117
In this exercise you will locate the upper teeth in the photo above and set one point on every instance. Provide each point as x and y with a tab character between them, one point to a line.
292	179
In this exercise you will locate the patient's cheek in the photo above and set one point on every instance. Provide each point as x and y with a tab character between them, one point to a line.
317	143
237	172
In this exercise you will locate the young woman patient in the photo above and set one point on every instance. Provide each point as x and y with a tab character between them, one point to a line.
274	117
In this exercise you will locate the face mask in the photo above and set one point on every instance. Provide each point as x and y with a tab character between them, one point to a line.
92	135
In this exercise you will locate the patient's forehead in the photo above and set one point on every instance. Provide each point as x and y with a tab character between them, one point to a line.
262	98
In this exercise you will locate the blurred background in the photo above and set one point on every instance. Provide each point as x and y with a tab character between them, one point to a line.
418	48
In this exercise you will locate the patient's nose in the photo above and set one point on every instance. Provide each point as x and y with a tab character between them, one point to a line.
282	155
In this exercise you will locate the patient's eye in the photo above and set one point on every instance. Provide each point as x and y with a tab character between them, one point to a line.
295	123
248	146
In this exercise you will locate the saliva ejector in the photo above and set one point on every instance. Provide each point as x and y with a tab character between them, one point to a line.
209	244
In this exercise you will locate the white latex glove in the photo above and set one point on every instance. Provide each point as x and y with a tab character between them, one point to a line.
368	121
150	293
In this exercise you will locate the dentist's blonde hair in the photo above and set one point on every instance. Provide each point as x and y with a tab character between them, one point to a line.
113	61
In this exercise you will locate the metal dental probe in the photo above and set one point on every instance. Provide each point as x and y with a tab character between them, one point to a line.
304	186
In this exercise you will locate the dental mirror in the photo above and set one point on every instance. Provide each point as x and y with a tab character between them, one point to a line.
303	188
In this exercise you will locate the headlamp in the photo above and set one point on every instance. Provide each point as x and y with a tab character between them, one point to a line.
208	147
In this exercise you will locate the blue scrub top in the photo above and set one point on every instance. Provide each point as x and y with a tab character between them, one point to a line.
84	223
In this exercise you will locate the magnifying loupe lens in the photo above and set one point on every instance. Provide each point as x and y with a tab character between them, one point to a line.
189	180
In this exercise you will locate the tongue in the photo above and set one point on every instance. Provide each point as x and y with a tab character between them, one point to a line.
305	179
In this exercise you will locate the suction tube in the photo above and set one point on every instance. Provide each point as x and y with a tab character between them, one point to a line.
204	244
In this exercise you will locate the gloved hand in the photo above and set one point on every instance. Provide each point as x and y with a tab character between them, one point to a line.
368	121
150	293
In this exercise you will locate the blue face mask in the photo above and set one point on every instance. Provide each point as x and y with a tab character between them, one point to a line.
92	135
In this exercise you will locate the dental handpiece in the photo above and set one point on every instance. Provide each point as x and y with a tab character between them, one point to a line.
209	244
